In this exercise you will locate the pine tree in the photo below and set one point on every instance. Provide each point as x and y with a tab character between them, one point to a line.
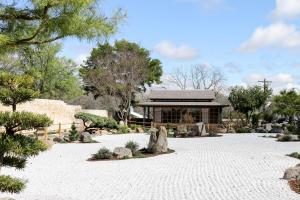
73	133
15	148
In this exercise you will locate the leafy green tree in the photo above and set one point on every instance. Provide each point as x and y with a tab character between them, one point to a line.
287	103
16	148
118	72
248	100
55	77
15	89
42	21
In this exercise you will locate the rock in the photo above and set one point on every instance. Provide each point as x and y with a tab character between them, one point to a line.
57	139
85	137
140	130
158	140
292	173
294	137
268	127
104	132
122	152
276	130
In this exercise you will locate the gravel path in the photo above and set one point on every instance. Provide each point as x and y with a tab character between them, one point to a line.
233	167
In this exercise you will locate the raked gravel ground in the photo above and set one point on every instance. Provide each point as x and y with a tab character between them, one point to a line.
232	167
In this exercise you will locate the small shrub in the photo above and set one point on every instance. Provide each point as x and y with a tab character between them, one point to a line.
73	136
123	129
12	185
291	128
243	130
285	138
139	154
133	146
135	126
268	117
102	154
294	155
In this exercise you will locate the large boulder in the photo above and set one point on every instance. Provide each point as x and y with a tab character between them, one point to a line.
292	173
86	137
122	152
158	142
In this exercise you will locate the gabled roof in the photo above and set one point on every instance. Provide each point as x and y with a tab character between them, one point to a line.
182	94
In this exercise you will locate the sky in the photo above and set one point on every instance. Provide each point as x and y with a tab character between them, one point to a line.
246	40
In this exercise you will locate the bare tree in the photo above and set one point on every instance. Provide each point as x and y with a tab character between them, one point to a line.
180	78
199	77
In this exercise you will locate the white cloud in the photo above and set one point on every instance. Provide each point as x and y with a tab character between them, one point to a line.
286	9
278	81
278	35
169	50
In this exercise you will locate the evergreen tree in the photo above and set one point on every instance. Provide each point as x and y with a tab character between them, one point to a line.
16	148
73	133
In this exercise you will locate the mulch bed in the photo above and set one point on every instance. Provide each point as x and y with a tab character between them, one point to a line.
144	151
294	185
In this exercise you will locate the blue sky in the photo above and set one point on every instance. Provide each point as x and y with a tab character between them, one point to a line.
246	40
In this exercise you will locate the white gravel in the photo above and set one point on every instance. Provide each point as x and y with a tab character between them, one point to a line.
233	167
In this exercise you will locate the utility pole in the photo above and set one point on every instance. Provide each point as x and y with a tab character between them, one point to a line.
266	84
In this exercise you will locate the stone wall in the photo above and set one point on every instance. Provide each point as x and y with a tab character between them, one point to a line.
58	111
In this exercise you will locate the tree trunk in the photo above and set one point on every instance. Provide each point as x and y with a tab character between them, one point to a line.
14	107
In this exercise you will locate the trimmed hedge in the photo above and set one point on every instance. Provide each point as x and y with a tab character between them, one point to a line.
96	121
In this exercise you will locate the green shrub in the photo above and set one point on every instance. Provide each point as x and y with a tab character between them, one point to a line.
133	146
291	128
285	138
12	185
74	135
243	130
123	129
139	154
294	155
95	121
135	126
268	117
102	154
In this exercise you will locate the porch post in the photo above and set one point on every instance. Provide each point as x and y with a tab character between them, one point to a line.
148	113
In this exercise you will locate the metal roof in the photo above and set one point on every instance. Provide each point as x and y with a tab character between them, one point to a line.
207	104
182	94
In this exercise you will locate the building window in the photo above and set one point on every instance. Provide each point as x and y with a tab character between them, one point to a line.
214	115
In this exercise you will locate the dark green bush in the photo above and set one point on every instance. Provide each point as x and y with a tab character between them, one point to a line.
285	138
243	130
294	155
133	146
135	126
123	130
12	185
102	154
94	121
139	154
291	128
268	117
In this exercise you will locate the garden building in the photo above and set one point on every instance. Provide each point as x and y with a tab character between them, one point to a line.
175	107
